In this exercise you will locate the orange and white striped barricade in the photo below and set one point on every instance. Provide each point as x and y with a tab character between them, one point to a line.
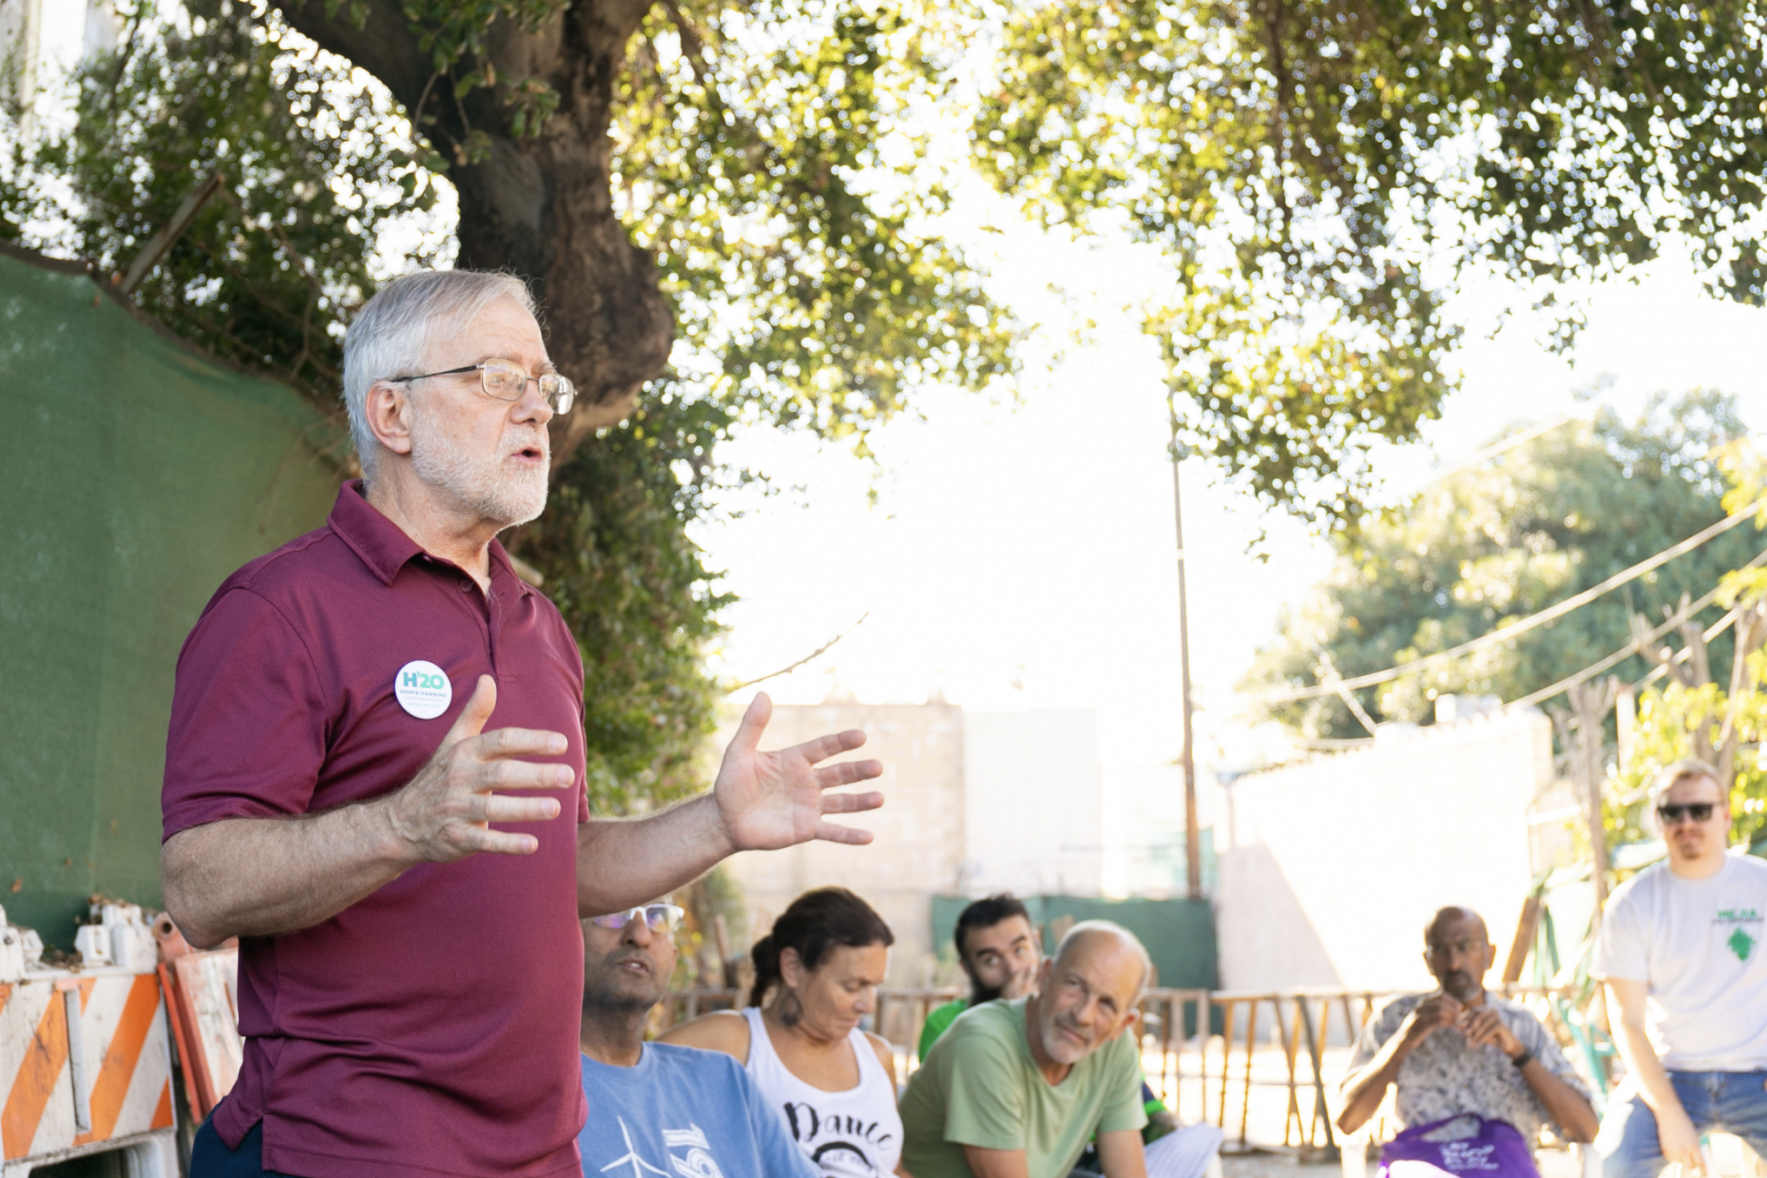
85	1056
202	998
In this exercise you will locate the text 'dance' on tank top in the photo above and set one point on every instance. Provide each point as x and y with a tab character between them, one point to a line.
851	1134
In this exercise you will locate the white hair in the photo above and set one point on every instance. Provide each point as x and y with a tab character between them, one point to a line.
395	334
1088	927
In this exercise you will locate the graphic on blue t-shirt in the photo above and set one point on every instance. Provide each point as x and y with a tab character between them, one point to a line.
631	1158
682	1113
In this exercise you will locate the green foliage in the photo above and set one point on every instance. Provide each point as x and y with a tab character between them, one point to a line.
1320	173
807	295
1495	543
317	164
1669	718
632	587
453	33
1666	718
762	154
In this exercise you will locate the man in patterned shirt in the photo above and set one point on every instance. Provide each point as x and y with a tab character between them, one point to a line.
1459	1050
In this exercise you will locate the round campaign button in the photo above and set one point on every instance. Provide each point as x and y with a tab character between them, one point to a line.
423	689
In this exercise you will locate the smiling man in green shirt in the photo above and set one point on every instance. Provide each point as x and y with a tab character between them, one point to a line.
1016	1088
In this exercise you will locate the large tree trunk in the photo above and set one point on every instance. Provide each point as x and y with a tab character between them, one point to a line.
541	206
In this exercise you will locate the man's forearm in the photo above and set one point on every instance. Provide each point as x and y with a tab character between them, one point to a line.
264	876
1121	1154
1643	1065
996	1163
1365	1089
622	863
1565	1106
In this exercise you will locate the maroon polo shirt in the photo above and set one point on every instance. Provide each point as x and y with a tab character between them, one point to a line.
430	1028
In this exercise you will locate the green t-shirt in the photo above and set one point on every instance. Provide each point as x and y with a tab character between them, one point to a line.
937	1019
982	1087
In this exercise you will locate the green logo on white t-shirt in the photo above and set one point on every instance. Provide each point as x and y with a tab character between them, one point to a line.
1741	944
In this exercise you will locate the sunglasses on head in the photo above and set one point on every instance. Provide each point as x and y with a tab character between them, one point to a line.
660	917
1697	811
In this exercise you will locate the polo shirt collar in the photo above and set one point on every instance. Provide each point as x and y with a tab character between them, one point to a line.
383	545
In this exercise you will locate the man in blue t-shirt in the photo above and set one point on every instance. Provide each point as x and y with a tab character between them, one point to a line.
656	1108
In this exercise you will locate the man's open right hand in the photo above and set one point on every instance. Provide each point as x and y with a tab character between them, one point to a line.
1679	1140
445	812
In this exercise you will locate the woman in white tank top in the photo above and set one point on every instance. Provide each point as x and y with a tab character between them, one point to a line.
816	976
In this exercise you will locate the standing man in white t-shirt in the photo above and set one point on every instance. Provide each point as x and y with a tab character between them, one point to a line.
1681	952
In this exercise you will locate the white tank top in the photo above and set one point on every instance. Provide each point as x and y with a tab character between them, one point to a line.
851	1134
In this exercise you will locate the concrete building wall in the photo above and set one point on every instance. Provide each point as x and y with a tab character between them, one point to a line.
918	844
975	803
1034	813
1329	869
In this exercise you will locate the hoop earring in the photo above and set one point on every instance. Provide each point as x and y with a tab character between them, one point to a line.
790	1010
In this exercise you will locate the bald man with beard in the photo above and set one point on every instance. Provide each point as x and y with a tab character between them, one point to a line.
1458	1050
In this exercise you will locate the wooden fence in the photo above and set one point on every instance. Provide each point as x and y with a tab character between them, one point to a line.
1202	1048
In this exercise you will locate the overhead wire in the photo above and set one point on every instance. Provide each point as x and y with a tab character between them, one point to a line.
1718	627
1505	445
1631	648
1531	622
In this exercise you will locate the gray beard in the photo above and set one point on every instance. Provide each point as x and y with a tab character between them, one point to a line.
476	485
615	1006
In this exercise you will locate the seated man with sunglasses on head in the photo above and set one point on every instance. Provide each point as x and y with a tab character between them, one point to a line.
655	1108
1680	952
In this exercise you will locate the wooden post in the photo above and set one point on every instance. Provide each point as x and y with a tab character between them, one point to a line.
1315	1056
1590	702
1251	1045
168	234
1227	1016
1203	1018
1525	930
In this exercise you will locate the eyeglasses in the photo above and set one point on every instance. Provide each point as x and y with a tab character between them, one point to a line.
1466	947
660	917
506	381
1697	811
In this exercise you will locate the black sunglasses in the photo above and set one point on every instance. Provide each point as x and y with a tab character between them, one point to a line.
1698	811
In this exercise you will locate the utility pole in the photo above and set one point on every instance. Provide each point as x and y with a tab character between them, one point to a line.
1193	866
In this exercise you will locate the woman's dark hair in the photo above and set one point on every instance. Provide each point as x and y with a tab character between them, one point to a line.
816	922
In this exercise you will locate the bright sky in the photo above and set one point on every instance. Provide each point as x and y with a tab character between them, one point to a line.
1023	556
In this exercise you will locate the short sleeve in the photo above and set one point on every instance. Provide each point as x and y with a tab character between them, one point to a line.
779	1154
984	1100
249	715
1620	951
1375	1032
1122	1107
938	1020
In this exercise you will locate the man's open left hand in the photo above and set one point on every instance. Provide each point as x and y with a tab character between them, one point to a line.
779	799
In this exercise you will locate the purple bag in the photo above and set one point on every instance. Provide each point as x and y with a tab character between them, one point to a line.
1497	1150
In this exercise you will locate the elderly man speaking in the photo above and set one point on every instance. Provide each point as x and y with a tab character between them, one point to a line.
374	778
